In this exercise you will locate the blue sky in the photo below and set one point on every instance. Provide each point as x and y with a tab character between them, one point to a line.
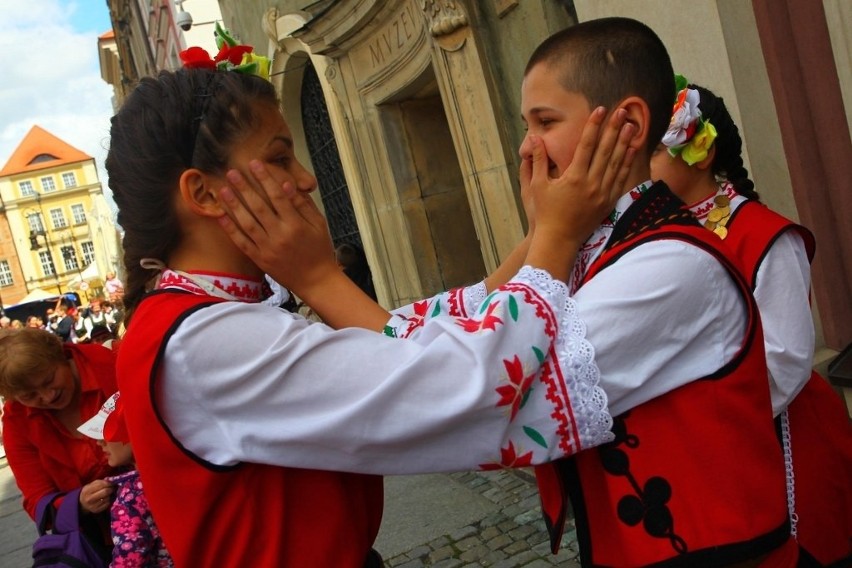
91	16
51	75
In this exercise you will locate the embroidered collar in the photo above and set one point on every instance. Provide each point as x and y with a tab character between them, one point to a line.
227	286
593	246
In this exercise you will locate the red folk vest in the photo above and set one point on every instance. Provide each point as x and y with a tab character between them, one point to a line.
694	477
753	229
245	515
820	433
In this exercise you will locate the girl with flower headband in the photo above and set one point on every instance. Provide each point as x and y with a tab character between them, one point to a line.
700	159
244	418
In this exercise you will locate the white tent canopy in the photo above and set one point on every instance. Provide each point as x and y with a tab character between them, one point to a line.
37	295
89	273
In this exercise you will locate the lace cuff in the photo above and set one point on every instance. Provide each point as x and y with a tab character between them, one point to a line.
473	296
576	357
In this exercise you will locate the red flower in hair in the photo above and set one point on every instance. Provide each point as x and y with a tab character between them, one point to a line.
197	58
233	53
232	56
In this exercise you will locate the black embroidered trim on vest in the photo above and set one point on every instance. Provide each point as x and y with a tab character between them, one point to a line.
648	505
656	207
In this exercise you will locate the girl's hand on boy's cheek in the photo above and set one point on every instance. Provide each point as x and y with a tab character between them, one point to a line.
572	205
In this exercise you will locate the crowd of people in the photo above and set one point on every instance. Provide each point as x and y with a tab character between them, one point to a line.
97	322
639	364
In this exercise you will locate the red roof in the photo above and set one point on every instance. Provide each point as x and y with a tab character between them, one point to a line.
40	143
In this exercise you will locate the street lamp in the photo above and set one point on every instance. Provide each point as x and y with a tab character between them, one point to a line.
38	230
69	255
34	235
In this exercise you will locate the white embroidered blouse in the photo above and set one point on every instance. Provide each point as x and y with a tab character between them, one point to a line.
783	298
471	382
521	377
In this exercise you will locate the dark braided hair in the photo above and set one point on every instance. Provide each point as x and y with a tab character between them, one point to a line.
728	161
185	119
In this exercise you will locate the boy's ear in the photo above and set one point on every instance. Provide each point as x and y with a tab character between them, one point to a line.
639	115
197	192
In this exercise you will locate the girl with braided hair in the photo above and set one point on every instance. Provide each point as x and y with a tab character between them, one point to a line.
700	159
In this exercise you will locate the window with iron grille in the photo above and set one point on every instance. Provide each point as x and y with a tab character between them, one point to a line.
322	147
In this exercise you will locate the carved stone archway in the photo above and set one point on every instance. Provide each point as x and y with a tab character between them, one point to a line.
412	108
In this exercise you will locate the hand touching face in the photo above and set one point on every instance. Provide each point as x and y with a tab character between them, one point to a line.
556	116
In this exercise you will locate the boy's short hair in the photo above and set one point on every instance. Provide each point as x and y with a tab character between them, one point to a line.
609	59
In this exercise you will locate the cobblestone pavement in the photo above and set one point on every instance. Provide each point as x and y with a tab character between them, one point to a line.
490	519
512	537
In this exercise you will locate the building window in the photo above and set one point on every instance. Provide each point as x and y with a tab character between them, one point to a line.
5	273
47	184
78	213
47	265
69	180
88	248
57	217
69	255
34	220
26	188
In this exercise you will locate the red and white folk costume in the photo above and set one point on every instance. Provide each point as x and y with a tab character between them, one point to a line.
695	475
242	415
815	429
776	255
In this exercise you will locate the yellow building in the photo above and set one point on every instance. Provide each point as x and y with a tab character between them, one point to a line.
60	225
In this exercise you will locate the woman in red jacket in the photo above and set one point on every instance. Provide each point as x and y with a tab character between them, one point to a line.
49	388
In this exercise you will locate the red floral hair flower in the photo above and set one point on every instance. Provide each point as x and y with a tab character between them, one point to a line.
232	56
197	58
233	53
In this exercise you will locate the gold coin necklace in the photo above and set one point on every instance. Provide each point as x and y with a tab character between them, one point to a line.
718	217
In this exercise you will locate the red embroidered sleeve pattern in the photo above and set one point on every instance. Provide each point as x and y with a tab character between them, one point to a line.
546	387
456	303
514	393
509	458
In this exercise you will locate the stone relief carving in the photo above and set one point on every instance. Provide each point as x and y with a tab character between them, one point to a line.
269	24
445	16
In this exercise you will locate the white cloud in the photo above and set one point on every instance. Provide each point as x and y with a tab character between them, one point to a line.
51	77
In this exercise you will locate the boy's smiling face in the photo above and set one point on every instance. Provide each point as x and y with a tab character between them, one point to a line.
553	114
